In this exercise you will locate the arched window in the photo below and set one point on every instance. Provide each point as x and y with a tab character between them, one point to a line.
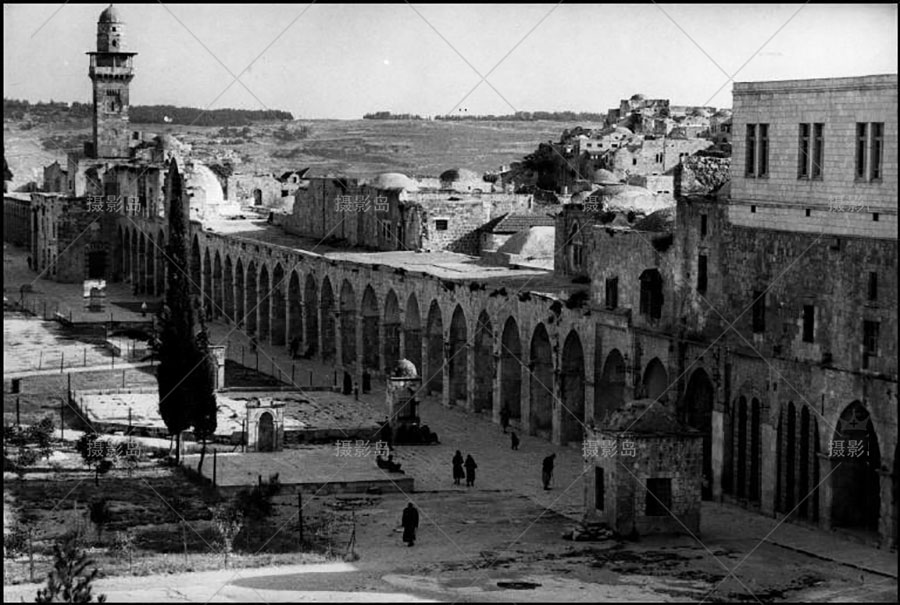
651	293
576	248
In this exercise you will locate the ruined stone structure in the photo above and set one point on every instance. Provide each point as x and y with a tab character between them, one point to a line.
265	425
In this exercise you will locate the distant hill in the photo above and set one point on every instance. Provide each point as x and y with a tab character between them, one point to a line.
531	116
140	114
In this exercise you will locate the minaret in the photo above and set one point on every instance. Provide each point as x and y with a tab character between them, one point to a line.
111	72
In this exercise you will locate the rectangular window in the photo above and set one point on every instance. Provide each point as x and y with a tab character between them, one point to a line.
873	286
441	224
870	340
818	154
750	158
877	134
612	293
809	323
659	497
759	312
803	161
861	145
703	225
762	168
701	274
599	488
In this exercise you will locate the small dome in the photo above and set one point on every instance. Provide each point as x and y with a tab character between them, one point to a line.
394	180
204	185
646	416
638	97
110	15
404	369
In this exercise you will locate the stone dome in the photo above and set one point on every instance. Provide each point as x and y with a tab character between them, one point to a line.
638	97
110	15
404	369
393	181
646	416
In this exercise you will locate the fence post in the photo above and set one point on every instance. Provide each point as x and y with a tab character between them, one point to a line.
215	464
62	361
292	372
18	423
300	513
123	386
85	357
40	359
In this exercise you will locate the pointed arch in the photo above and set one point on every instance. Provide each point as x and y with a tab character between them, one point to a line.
207	299
458	358
485	365
541	383
279	310
228	283
295	311
265	301
571	389
348	325
855	477
696	408
610	395
434	333
311	304
392	329
240	294
329	325
252	298
412	334
370	318
511	363
218	285
656	381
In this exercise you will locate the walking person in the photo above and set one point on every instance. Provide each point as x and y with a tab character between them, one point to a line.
547	474
143	309
504	418
457	467
515	440
410	523
470	471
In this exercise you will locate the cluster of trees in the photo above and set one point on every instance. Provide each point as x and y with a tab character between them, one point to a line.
169	114
386	115
24	446
54	111
286	135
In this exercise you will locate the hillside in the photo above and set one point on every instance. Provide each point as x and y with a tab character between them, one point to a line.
355	147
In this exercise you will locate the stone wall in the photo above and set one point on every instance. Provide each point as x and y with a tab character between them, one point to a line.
699	175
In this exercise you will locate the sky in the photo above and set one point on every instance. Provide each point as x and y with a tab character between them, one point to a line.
343	60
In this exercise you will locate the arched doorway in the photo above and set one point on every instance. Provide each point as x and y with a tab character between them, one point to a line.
656	381
696	412
541	385
370	317
252	299
295	310
265	299
257	197
228	291
329	345
511	369
392	332
266	442
412	334
485	365
457	358
311	302
279	310
217	286
809	466
610	394
240	294
855	481
348	325
434	328
572	389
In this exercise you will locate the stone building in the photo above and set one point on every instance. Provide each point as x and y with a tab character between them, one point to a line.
643	472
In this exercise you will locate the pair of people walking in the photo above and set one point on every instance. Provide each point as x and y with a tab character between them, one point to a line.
469	465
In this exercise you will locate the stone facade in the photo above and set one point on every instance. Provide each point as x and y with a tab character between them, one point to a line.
836	202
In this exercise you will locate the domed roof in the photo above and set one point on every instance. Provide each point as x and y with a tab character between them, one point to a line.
404	369
623	130
646	416
638	97
110	15
394	180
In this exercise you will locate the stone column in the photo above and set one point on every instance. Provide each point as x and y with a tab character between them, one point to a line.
826	491
360	355
589	399
717	453
526	398
445	372
768	470
382	346
495	385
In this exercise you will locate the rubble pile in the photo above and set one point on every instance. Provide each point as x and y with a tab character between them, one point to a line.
589	532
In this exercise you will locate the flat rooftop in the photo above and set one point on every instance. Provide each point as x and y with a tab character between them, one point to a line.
442	265
818	84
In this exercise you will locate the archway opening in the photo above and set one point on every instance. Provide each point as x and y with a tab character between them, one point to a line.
348	325
485	365
392	332
434	328
511	369
370	317
855	480
572	389
458	358
696	412
541	383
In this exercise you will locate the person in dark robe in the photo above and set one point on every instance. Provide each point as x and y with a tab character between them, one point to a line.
458	468
547	473
410	523
515	440
504	418
470	471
